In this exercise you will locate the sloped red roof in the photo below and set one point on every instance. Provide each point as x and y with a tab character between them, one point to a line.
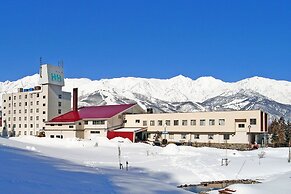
92	112
71	116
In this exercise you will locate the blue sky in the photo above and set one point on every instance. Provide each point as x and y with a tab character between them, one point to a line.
229	40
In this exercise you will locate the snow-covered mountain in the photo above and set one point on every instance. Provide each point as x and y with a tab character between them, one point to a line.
179	93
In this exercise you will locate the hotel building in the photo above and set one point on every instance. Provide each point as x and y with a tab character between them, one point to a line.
26	111
237	127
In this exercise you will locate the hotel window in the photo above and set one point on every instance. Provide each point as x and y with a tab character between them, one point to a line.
226	136
25	110
160	123
19	118
241	125
37	118
43	97
43	120
168	122
184	122
210	136
31	95
14	112
71	126
193	122
52	136
9	98
60	96
221	122
25	96
25	118
25	104
137	121
62	125
43	104
43	112
25	132
144	123
30	132
19	97
31	103
19	126
171	136
183	136
59	103
14	104
31	110
14	97
59	111
253	121
86	122
152	123
14	118
25	125
9	105
99	122
31	118
196	136
176	122
37	102
211	122
19	111
37	95
37	125
31	125
202	122
9	112
8	125
19	103
37	110
4	100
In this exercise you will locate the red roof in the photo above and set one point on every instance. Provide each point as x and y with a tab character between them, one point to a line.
92	112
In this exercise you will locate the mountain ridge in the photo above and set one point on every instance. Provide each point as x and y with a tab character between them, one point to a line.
178	93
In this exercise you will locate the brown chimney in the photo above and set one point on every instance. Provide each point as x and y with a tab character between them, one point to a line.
75	99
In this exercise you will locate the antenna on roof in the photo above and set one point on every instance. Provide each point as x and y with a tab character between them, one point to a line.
61	63
40	60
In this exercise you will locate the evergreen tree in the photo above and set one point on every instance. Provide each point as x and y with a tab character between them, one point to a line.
282	132
288	132
273	129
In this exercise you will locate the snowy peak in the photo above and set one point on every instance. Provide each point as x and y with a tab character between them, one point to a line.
179	93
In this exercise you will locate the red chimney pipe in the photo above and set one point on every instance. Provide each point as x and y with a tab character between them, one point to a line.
75	99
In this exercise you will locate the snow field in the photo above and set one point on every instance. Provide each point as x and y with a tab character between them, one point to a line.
151	166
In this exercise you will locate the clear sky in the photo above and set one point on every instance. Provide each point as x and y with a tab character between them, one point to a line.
227	39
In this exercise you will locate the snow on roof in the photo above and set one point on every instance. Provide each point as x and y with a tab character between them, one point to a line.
92	112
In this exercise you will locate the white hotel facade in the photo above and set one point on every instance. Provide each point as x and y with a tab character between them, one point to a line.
236	127
26	111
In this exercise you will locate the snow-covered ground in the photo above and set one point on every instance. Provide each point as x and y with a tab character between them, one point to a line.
42	165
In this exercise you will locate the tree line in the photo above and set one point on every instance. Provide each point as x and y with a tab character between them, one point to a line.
280	131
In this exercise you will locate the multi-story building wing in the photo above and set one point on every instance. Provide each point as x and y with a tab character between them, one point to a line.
241	127
25	112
